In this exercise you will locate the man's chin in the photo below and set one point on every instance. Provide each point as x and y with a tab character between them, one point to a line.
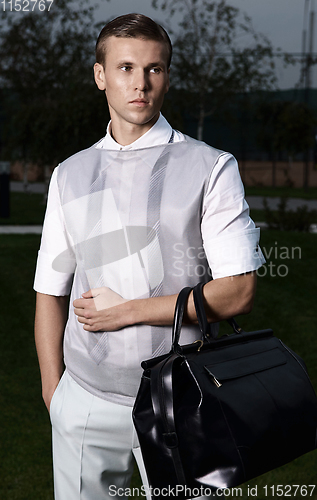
146	119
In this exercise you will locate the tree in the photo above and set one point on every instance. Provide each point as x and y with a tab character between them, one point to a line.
216	54
286	126
296	135
268	114
46	67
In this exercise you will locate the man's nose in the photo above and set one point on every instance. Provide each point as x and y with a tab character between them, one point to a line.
141	81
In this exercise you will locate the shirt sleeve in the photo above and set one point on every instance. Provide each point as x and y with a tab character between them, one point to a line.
230	238
56	261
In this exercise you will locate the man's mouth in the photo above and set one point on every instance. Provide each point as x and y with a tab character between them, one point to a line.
140	102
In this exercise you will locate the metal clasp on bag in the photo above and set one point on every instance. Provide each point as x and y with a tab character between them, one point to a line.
215	381
200	342
213	378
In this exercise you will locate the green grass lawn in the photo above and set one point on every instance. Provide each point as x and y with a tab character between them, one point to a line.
285	301
257	215
24	423
25	209
309	194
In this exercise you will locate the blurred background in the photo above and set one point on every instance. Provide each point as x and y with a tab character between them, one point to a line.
243	79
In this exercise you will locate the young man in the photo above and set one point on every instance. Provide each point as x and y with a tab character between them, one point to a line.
130	221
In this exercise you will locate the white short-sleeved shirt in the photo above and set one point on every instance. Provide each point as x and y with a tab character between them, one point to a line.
200	220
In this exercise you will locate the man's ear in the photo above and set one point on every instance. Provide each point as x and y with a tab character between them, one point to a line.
100	79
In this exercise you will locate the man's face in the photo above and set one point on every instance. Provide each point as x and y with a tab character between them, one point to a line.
135	80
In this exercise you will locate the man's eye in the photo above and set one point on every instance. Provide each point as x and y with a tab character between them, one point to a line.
155	70
126	68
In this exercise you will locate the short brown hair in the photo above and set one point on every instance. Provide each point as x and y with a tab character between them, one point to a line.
132	26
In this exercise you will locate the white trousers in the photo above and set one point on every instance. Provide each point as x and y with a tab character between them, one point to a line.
93	445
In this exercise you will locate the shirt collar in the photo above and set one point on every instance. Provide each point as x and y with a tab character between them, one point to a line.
159	134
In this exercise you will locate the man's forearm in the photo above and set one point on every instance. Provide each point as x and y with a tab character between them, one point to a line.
50	320
224	298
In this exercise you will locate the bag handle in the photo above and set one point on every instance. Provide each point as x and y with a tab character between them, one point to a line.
202	317
181	303
201	313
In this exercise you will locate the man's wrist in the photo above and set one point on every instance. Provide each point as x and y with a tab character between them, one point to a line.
135	311
151	311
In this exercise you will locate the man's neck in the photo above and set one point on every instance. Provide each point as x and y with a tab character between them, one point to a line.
128	133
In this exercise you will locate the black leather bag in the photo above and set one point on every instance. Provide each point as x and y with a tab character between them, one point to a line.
219	412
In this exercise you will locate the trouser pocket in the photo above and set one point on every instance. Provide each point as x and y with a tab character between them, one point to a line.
56	395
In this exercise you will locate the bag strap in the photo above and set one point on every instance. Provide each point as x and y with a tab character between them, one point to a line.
163	407
204	326
181	303
201	313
